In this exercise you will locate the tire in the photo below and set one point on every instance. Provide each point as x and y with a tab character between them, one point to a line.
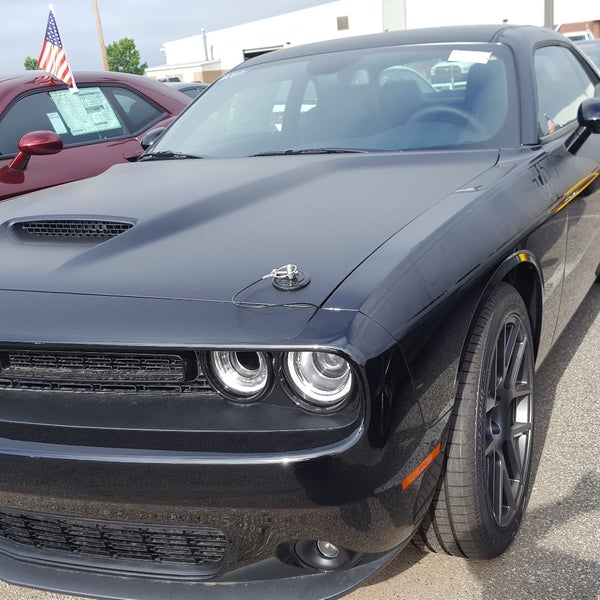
481	494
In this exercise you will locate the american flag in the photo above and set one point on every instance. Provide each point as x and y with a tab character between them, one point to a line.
52	57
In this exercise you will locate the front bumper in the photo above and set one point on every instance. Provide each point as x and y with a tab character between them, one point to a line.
263	506
266	579
86	473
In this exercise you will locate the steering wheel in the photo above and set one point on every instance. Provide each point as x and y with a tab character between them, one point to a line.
450	114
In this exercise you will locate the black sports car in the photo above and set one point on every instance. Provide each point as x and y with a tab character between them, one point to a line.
302	330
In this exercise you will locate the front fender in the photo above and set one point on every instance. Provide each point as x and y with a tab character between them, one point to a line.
435	348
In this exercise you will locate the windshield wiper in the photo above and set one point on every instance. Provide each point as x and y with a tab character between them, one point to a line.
311	151
166	155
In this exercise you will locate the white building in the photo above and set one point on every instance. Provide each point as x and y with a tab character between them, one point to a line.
206	56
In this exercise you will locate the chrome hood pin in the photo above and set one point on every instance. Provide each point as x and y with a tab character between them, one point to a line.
288	278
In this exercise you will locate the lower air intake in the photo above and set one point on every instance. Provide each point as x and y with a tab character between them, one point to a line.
114	545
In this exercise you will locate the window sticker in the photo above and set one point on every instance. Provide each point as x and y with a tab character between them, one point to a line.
85	111
57	123
472	56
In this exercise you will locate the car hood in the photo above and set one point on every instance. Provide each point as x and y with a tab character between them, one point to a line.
212	229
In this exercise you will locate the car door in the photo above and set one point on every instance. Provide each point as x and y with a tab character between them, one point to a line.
98	126
564	81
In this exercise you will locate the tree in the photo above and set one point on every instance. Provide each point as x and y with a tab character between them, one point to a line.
124	57
31	64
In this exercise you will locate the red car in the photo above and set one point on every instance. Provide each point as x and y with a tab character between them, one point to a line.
98	126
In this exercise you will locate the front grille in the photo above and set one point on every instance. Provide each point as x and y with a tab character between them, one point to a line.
71	540
72	229
95	366
101	371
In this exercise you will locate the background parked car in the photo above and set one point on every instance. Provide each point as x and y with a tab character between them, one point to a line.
398	73
99	126
592	49
192	89
578	36
450	75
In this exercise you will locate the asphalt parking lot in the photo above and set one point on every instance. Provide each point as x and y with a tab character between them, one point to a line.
556	555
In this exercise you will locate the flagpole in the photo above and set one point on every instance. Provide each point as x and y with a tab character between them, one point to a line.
100	35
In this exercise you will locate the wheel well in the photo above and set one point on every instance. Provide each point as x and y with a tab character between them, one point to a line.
525	278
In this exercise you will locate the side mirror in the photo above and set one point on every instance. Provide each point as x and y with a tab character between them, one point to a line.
35	143
588	117
151	137
588	114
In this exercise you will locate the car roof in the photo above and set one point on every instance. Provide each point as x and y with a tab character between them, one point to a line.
453	34
185	84
11	85
80	76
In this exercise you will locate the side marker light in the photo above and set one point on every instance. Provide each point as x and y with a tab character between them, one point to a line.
420	468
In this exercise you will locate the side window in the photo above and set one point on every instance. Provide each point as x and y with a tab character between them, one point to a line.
29	113
82	117
85	116
139	111
562	85
92	114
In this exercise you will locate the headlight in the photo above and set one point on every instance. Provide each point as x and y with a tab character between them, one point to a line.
322	379
240	375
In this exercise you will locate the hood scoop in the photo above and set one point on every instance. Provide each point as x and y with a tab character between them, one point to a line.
84	231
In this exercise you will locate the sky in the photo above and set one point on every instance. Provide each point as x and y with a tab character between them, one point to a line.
149	23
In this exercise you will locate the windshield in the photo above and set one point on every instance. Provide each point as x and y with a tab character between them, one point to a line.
379	99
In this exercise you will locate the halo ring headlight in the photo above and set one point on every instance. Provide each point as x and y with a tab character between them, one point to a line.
241	376
322	379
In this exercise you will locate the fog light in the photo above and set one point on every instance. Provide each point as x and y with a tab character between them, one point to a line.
322	555
327	549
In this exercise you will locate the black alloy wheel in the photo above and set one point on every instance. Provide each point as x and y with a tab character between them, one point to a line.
481	494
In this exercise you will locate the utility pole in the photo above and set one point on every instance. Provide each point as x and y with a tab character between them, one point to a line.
549	14
100	35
